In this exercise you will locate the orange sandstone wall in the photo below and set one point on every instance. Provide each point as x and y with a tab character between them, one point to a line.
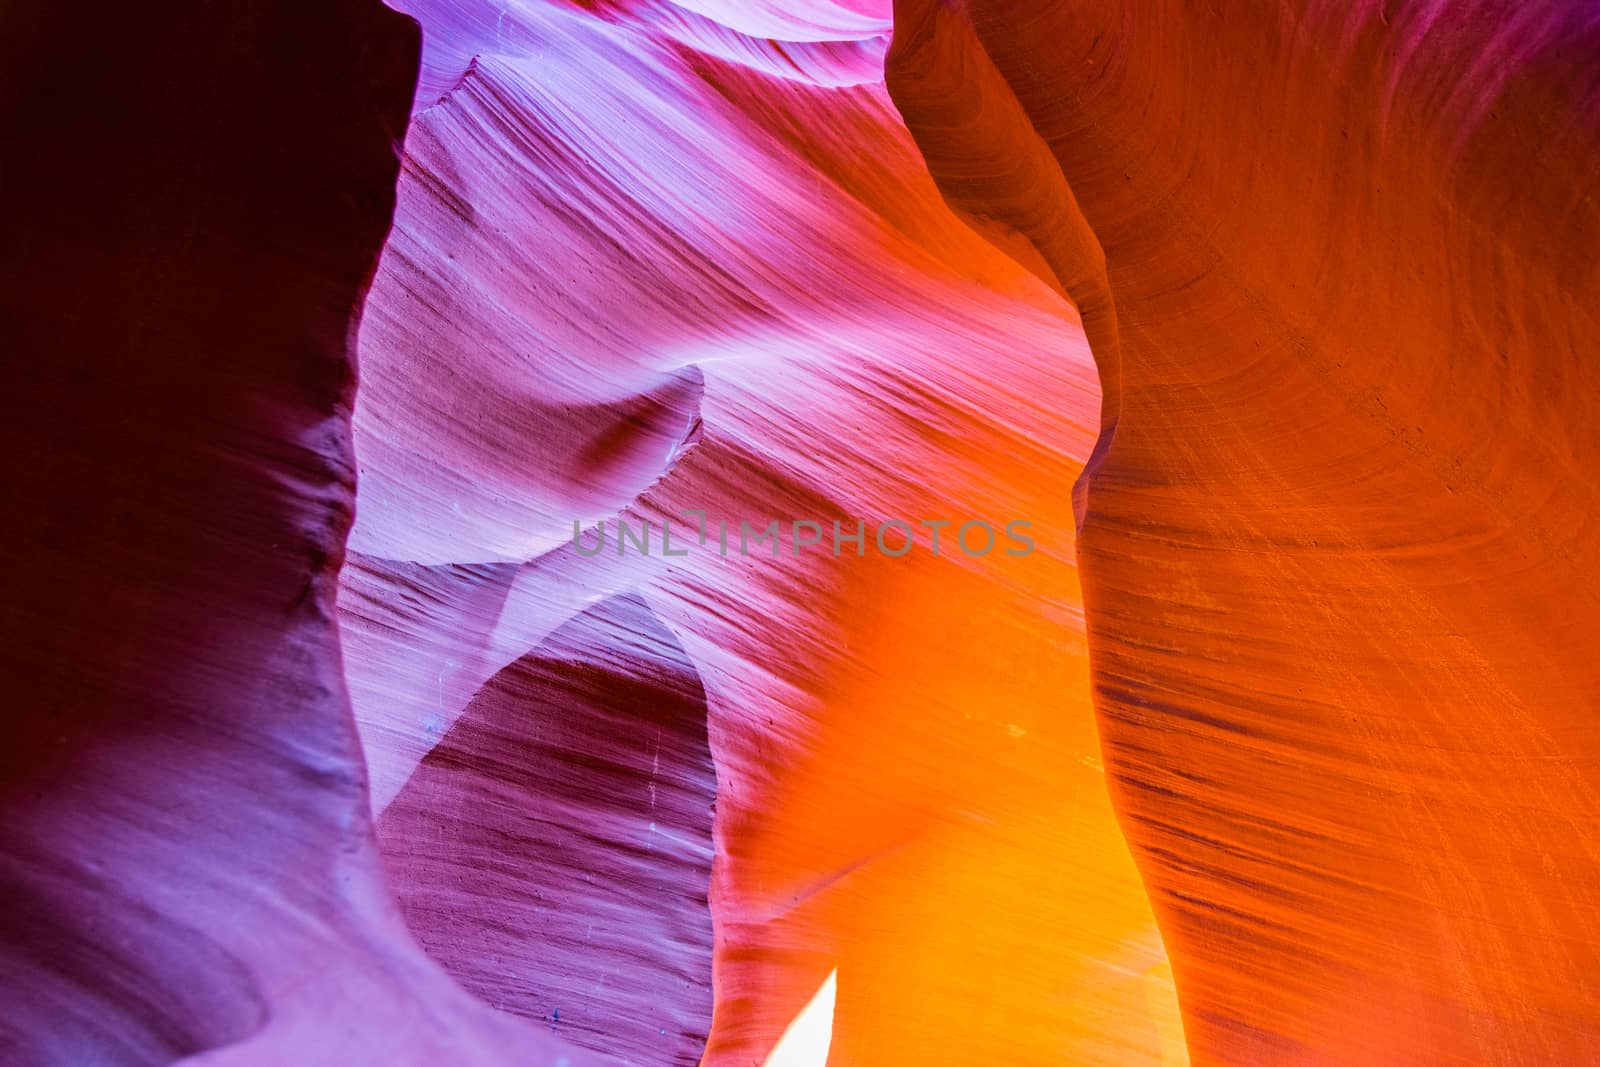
1337	540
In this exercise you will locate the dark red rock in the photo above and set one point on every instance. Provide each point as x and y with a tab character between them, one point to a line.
196	198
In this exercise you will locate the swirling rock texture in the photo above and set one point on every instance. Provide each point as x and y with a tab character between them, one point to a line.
1298	290
1337	542
645	262
576	782
198	200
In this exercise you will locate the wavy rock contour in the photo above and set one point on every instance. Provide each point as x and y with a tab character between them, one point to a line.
1337	541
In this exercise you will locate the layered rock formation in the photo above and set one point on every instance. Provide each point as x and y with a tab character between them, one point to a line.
1301	293
1338	541
715	267
567	816
198	200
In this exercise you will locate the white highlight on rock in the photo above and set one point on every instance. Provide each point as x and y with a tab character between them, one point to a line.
807	1040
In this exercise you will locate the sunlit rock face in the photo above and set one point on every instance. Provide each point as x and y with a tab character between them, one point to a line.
336	748
657	258
1338	543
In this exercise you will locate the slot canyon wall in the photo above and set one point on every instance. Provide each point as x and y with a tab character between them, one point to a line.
199	198
334	747
1338	539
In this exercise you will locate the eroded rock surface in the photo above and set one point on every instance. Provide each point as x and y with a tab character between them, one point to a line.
1338	540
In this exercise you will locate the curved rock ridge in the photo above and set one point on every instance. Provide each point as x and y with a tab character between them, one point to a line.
834	63
1338	548
565	822
198	197
595	204
813	20
813	41
1276	320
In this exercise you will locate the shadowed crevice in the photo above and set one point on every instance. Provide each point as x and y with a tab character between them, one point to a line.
553	851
